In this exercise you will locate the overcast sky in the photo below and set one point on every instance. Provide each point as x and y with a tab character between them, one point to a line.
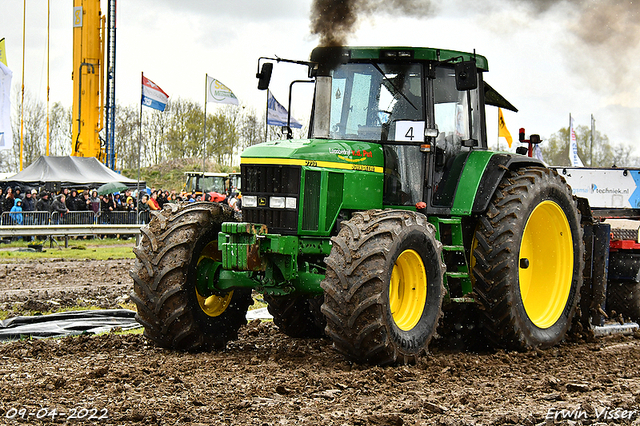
549	58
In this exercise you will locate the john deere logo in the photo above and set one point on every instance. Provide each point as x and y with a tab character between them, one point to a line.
262	201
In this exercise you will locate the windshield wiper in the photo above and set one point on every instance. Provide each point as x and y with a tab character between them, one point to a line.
377	67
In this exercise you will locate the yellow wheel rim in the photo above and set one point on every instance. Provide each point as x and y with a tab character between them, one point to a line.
546	264
407	290
213	305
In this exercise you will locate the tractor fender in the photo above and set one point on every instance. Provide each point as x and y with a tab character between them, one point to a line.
493	173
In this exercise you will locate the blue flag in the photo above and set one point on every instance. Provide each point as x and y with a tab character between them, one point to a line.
277	114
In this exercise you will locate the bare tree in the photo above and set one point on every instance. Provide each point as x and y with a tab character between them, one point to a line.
252	131
126	137
32	121
184	135
555	151
154	126
60	130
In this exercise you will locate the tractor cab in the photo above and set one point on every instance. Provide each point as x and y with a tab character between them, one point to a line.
424	106
200	183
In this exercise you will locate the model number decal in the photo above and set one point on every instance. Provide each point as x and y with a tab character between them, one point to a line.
364	168
311	163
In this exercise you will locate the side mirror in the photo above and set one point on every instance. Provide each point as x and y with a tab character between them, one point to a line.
466	75
264	76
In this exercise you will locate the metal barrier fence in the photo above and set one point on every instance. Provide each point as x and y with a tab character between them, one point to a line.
25	218
73	218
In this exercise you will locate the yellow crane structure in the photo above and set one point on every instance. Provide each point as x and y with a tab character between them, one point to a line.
88	79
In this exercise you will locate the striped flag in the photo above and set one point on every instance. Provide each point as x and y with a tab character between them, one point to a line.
152	95
573	146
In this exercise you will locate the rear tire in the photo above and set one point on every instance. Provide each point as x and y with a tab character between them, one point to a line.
528	260
623	297
294	316
383	287
174	315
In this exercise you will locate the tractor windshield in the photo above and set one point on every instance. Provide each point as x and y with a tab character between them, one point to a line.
205	184
213	184
368	100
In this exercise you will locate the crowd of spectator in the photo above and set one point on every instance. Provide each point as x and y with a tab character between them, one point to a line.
136	207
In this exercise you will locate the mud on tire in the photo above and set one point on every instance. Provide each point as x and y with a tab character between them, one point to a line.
528	260
383	287
164	279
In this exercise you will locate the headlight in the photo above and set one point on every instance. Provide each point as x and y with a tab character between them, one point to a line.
276	202
291	202
250	201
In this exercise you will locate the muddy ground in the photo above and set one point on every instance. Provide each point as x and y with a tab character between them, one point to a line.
49	284
266	378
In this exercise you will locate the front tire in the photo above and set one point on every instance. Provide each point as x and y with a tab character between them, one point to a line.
383	287
528	260
173	313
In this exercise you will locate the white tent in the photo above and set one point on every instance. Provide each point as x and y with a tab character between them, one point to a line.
68	172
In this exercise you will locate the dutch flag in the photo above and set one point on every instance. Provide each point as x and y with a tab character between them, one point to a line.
152	95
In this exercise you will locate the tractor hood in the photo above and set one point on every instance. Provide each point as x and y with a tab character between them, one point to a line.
330	154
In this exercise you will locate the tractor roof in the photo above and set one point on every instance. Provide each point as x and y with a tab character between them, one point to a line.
206	174
321	54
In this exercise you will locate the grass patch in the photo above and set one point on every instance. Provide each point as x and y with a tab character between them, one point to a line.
78	249
16	310
29	313
117	332
88	242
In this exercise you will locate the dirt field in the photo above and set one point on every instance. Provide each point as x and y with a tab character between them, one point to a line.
266	378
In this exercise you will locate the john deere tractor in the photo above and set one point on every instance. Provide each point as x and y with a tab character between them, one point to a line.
392	210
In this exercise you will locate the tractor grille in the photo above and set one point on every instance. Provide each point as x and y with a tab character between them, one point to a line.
264	182
310	219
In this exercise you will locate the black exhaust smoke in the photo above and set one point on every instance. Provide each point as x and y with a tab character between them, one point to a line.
334	20
606	32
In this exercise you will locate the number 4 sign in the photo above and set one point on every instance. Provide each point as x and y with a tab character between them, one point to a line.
412	131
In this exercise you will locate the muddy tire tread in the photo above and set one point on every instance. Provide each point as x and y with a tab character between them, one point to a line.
495	236
354	285
162	274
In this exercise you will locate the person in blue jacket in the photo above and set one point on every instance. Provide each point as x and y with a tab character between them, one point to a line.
16	212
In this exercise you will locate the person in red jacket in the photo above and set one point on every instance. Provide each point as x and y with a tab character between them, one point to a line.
153	201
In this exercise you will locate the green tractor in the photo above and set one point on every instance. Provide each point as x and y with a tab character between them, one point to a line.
391	212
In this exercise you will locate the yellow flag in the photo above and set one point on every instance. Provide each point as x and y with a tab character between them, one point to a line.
502	128
3	55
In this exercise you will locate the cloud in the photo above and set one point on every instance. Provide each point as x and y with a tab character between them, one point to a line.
247	10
